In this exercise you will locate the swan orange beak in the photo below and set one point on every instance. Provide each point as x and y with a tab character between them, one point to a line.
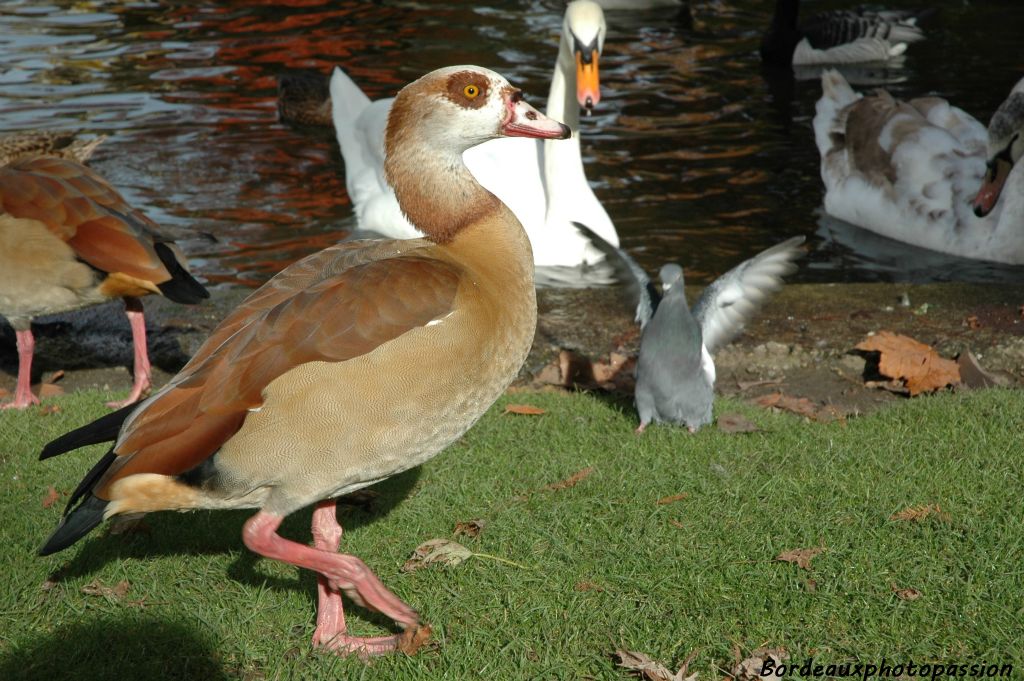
522	120
588	81
992	186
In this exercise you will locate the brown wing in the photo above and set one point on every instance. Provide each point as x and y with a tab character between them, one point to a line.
81	208
337	304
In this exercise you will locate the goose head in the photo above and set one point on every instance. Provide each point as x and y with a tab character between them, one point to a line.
435	119
583	31
1005	147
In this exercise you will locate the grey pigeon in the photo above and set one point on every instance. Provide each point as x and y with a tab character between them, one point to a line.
675	373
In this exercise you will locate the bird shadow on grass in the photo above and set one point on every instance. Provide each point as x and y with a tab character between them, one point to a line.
99	649
217	532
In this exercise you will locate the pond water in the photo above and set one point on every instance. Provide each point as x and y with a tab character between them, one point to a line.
699	154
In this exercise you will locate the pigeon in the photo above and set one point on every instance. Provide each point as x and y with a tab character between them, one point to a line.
675	372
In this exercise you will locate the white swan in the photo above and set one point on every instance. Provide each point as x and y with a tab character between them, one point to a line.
543	183
910	170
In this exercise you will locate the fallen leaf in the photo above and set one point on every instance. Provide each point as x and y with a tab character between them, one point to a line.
811	586
916	514
973	322
436	552
48	409
801	557
524	409
51	497
908	594
796	405
973	374
672	499
97	588
646	668
919	366
572	480
675	523
588	586
750	668
49	390
54	377
736	423
413	639
470	528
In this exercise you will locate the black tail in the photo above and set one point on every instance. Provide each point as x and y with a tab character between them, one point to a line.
75	525
78	520
182	286
103	429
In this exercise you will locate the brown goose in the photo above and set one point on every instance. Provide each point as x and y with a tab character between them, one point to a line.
18	145
350	366
68	240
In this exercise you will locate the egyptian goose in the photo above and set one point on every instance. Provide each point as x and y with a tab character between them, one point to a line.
18	145
910	170
542	182
68	240
837	37
356	363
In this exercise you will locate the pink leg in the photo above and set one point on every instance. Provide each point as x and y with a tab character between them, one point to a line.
342	573
640	429
23	396
142	371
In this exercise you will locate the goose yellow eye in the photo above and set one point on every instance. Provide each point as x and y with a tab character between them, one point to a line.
471	91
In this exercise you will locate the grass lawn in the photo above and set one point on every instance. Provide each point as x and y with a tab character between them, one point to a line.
604	565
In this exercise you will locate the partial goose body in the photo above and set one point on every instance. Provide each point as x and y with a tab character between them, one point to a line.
909	170
68	240
354	364
837	37
31	143
543	182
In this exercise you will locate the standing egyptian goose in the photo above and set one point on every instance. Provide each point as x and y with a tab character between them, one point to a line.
68	240
849	36
911	171
544	183
352	365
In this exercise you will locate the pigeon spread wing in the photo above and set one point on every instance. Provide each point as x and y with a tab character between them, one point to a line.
729	302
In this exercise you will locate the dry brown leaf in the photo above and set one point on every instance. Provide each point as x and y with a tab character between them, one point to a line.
436	552
470	528
920	367
572	480
524	410
672	499
801	557
796	405
973	322
750	668
116	592
51	497
49	409
917	514
587	586
54	377
413	639
908	594
736	423
646	668
49	390
973	375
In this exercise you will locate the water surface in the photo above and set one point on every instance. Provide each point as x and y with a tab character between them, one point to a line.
698	154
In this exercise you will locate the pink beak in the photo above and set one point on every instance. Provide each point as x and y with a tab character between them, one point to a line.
522	120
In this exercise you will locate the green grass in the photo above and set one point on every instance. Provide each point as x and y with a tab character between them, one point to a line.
695	574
